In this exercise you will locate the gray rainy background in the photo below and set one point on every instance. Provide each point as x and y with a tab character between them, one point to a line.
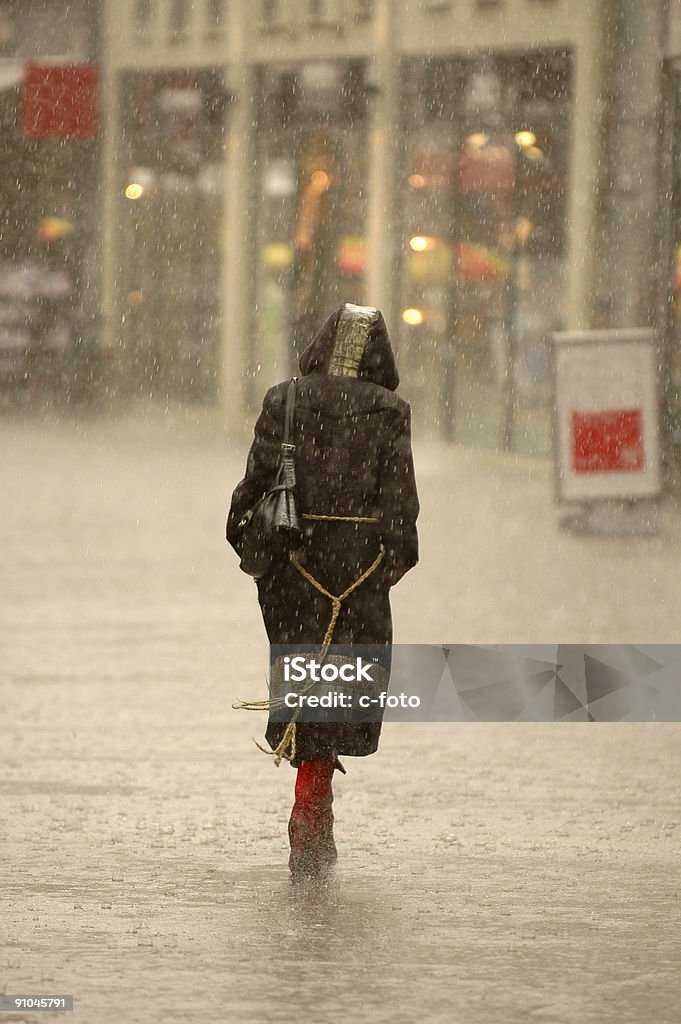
486	173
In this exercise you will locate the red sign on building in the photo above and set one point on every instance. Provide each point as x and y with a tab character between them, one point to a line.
61	101
487	170
608	441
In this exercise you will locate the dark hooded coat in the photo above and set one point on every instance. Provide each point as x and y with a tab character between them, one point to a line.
353	458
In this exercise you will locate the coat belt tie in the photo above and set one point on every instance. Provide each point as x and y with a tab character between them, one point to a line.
286	748
336	599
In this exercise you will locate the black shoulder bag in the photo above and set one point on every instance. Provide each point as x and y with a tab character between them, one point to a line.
271	529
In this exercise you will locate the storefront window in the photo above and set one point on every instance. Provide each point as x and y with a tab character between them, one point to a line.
171	215
311	207
320	8
49	261
215	17
179	21
270	11
484	243
365	10
143	15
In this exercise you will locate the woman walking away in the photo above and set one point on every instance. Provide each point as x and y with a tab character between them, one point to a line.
357	502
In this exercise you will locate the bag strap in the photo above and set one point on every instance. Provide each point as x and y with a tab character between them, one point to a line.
290	412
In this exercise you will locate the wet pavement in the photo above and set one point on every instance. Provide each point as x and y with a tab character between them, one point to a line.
488	873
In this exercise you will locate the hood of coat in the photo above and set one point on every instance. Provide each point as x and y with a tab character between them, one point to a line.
354	342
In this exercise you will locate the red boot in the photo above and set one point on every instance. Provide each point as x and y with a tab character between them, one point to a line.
310	829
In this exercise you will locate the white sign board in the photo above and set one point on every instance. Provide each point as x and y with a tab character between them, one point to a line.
606	438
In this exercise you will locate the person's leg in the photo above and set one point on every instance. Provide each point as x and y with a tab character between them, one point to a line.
310	828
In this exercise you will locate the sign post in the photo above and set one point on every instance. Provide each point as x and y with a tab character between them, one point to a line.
606	434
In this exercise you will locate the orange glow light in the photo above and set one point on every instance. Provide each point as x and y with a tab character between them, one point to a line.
421	243
320	181
414	317
525	138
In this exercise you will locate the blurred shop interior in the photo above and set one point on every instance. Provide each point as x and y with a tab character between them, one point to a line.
482	157
49	202
124	215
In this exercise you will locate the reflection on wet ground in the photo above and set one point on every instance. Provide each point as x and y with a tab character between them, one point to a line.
488	874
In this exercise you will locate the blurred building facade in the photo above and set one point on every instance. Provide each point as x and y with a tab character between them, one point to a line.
49	192
453	162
